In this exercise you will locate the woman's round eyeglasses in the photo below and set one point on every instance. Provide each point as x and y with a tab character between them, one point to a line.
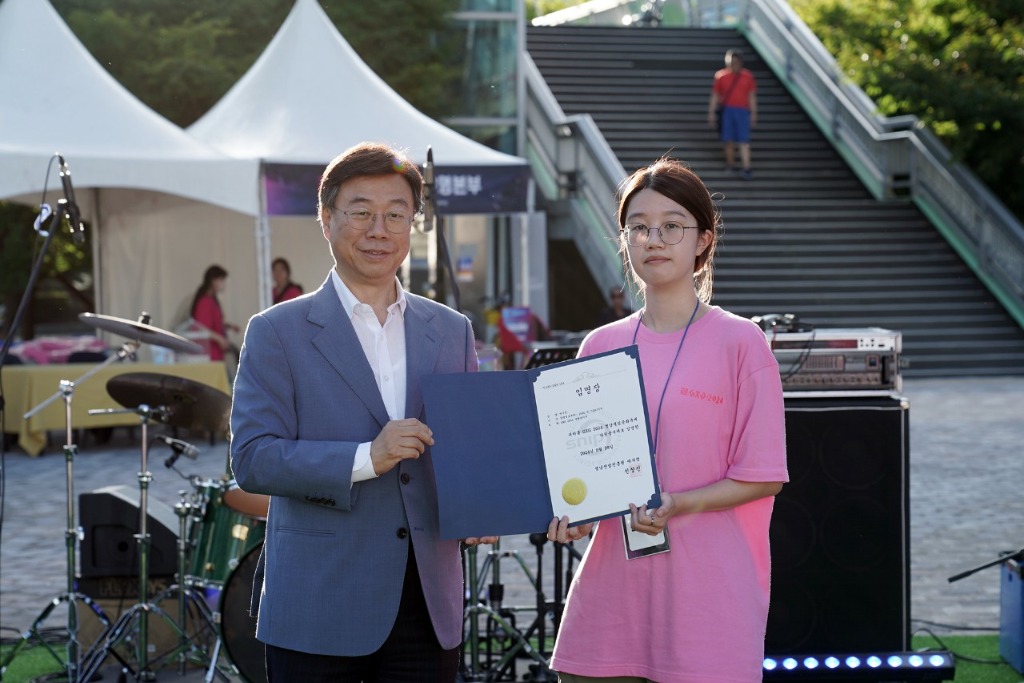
671	233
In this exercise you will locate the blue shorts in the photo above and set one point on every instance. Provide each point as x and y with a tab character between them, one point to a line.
735	124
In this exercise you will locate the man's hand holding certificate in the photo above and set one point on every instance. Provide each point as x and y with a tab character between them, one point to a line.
514	449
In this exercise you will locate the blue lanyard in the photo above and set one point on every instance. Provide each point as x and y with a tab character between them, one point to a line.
657	419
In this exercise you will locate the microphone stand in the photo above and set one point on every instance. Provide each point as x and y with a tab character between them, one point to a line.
429	217
1019	556
71	533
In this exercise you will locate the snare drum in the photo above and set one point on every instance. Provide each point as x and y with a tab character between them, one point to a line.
219	537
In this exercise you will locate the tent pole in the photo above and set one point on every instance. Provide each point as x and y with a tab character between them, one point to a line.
262	229
98	282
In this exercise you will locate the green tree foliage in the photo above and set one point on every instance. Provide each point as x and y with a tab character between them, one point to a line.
64	284
538	8
181	57
956	64
407	43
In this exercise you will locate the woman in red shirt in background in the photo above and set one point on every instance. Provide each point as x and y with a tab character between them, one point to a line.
207	313
284	288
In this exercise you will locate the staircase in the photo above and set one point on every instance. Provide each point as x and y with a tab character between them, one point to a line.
804	236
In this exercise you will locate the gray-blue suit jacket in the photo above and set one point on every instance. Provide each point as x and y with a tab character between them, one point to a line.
335	553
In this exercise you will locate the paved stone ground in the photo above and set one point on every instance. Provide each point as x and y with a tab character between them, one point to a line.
966	507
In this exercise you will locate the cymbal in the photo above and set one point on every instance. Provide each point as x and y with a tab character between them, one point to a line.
140	331
185	402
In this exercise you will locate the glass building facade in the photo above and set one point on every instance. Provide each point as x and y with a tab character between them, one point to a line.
486	108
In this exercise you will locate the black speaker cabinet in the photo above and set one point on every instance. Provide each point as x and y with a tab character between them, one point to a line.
840	529
110	520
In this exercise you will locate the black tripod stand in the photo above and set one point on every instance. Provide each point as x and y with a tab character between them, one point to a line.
493	654
192	603
133	624
72	536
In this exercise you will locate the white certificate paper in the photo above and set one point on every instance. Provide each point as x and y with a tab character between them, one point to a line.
593	428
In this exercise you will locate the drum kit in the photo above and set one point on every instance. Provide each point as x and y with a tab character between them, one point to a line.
220	534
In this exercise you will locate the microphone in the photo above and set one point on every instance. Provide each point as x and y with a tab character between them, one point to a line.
428	192
180	448
71	206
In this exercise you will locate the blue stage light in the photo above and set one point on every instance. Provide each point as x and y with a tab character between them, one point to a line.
909	666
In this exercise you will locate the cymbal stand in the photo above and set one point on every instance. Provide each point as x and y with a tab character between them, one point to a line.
72	534
502	668
186	593
504	618
119	630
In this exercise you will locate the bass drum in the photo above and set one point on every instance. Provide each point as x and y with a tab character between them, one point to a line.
238	629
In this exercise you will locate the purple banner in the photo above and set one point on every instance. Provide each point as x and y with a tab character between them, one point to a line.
292	189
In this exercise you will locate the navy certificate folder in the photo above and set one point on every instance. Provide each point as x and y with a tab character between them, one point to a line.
488	454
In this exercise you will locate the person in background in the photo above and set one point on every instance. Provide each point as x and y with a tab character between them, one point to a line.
354	582
698	610
616	309
284	288
515	344
207	313
734	93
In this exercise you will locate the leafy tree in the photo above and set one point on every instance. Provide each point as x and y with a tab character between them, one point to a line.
537	8
179	75
181	57
65	274
956	64
410	49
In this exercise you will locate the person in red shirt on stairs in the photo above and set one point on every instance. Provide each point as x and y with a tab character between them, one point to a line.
732	108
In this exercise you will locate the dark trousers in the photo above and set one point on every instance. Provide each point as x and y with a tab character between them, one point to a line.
411	653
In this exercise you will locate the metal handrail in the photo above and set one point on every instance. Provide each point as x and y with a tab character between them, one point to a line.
896	157
575	167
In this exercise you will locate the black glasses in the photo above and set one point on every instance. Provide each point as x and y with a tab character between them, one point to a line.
394	221
671	233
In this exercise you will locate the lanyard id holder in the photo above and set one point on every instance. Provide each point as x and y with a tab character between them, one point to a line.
638	544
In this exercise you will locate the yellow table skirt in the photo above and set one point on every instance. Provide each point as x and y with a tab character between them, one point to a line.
26	386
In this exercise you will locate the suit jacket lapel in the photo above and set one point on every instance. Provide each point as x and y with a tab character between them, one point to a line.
422	346
340	346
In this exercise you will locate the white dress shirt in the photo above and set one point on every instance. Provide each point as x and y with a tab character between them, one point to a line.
384	348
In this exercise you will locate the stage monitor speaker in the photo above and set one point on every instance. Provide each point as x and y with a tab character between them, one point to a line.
110	521
840	532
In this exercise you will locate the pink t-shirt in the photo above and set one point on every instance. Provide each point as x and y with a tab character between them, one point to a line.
697	613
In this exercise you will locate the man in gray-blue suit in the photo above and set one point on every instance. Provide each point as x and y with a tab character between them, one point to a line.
327	419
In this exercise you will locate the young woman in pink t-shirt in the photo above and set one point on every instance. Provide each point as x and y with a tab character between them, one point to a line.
698	611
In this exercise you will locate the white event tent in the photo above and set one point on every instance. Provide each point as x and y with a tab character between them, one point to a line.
309	97
163	204
166	203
